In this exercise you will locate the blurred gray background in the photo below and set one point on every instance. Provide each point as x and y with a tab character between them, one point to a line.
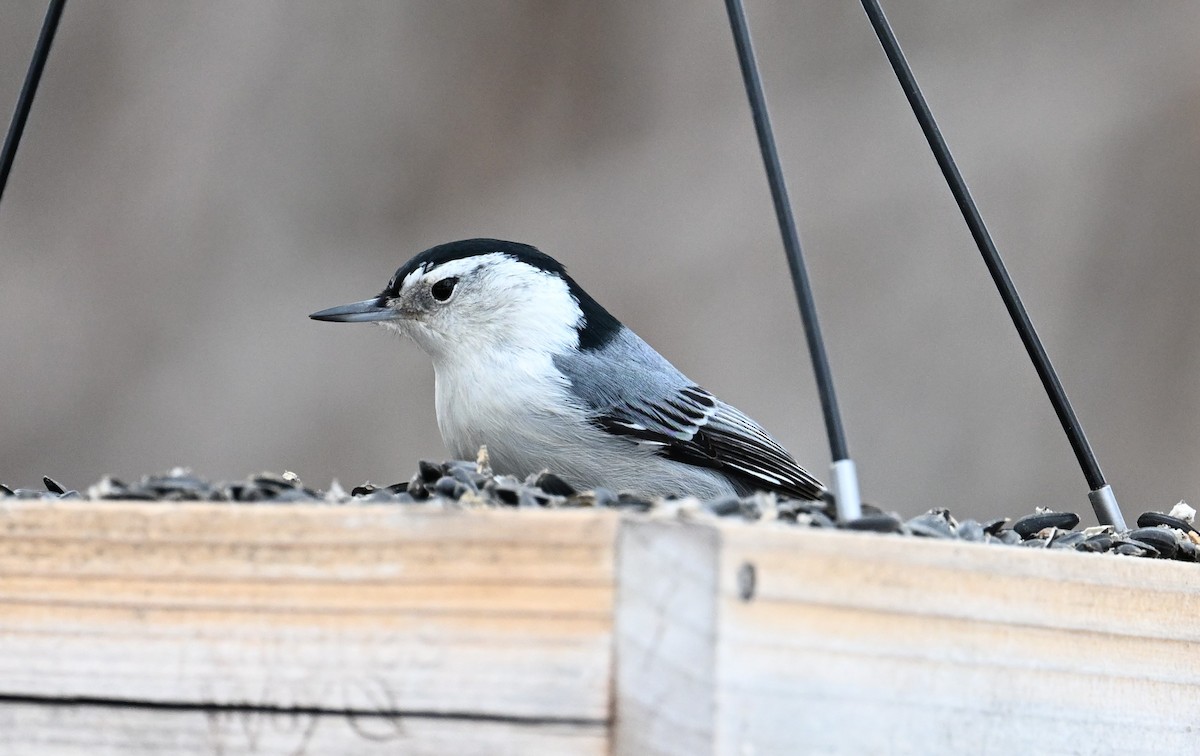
197	177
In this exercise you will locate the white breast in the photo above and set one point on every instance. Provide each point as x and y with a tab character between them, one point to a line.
515	403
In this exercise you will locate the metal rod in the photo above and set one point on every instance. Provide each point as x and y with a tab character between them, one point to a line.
25	101
845	486
1106	508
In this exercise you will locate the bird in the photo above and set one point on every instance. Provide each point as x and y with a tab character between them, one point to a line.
529	365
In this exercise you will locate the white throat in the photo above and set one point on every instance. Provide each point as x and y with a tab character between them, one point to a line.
493	350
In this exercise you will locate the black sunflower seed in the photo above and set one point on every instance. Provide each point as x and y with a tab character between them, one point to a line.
1010	537
970	530
1161	539
446	486
876	523
1067	540
428	471
725	506
818	519
506	494
1097	544
933	524
634	503
1131	548
993	527
1188	551
1150	519
1035	523
552	484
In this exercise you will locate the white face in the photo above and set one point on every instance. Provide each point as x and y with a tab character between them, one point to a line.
485	303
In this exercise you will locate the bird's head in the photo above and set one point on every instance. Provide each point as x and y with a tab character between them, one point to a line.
482	295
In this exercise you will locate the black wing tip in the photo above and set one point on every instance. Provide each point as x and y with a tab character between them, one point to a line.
749	461
793	481
802	491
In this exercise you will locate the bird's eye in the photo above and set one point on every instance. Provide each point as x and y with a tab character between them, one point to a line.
442	290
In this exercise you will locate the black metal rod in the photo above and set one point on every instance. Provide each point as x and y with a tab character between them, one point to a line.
25	100
787	227
991	257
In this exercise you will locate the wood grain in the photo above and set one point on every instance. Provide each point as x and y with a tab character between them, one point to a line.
65	730
340	608
856	643
666	625
215	628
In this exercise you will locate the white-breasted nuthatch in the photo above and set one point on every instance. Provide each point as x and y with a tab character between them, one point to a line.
528	364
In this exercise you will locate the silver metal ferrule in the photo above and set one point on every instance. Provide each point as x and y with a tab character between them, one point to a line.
845	490
1108	512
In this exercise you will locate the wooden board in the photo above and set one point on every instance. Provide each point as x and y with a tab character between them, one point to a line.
477	616
214	628
855	643
92	730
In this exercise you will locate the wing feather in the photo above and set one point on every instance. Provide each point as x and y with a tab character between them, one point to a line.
632	392
694	427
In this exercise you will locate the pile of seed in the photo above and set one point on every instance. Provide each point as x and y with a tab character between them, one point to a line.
465	485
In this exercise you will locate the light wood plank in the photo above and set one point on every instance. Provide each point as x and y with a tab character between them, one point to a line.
666	634
854	645
64	730
857	643
358	607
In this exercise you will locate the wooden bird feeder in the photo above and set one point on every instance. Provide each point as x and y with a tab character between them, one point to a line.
236	629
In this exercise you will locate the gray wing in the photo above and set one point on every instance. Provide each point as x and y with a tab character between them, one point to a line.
634	393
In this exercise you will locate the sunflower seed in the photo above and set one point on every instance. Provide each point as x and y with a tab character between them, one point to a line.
428	471
1151	519
1010	537
633	502
552	484
1130	548
876	523
993	527
936	523
1161	540
1098	543
447	486
1068	540
1034	523
970	530
725	506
